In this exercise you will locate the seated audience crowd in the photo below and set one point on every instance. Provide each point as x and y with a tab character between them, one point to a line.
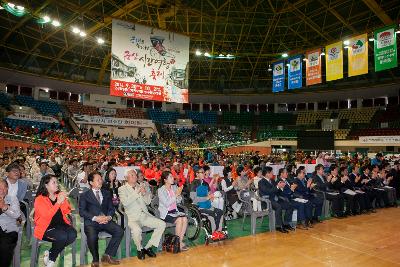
210	180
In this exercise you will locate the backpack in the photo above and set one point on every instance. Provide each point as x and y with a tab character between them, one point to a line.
171	243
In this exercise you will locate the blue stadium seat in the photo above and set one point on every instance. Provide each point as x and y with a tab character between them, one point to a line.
208	117
163	117
48	108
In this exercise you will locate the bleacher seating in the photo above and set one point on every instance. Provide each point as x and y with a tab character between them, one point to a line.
208	117
48	108
269	118
341	134
391	115
165	117
4	101
24	123
79	108
357	115
233	118
311	117
131	113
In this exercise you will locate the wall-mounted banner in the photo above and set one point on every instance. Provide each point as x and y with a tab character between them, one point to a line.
385	48
108	111
334	61
98	120
313	67
358	55
149	63
395	139
278	76
32	117
295	78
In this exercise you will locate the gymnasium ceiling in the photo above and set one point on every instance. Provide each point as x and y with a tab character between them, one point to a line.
257	32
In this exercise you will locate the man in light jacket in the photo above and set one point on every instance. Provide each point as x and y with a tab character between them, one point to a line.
134	199
9	213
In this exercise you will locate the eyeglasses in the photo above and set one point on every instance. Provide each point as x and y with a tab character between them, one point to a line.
200	172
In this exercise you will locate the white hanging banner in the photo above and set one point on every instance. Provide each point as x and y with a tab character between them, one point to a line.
149	63
32	117
379	139
123	122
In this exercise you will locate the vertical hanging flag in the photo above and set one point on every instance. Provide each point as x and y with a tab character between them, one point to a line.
358	55
385	48
313	67
278	84
334	61
295	73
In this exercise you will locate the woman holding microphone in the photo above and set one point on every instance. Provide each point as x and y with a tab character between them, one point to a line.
50	218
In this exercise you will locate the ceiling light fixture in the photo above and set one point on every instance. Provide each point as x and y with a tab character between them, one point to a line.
75	30
346	42
46	19
82	34
56	23
100	40
285	55
198	53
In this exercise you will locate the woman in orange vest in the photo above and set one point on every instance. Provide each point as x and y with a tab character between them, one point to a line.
51	221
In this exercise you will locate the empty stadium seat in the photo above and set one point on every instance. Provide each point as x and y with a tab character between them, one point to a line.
4	100
357	115
49	108
208	117
311	117
269	118
165	117
79	108
232	118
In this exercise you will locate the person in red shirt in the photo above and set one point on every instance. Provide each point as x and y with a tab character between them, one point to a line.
51	221
149	174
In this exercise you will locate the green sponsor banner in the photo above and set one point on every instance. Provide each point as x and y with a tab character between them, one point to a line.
385	47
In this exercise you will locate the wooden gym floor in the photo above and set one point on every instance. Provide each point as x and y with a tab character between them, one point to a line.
364	240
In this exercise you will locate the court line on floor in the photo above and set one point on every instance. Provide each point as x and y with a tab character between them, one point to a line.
356	250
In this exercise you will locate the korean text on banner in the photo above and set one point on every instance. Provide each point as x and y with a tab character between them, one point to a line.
295	73
385	48
334	61
278	84
358	55
313	67
149	63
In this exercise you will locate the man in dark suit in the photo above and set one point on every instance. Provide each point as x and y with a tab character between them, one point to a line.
304	210
325	187
305	190
96	207
357	184
270	189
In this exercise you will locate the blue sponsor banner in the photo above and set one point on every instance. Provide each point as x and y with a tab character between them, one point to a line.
278	76
295	79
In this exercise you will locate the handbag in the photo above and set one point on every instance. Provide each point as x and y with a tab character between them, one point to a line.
171	243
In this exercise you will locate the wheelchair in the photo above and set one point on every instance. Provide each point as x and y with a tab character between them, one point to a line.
203	221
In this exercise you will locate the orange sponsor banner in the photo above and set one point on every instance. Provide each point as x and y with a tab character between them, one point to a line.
313	67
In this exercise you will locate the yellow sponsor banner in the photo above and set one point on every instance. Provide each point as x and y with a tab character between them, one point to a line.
358	55
334	61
